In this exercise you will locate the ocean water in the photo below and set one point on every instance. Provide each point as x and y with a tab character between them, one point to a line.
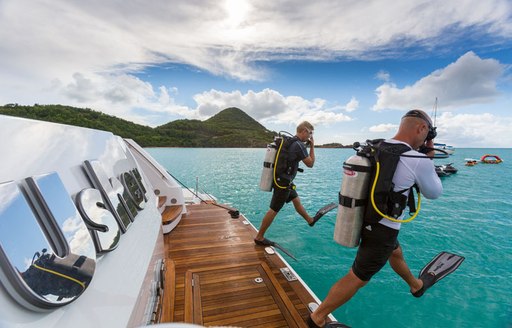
472	218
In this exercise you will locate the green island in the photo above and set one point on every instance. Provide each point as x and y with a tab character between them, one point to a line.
230	128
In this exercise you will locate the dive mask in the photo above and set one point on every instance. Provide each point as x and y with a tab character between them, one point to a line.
432	133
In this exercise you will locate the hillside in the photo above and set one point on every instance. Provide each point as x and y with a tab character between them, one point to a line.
229	128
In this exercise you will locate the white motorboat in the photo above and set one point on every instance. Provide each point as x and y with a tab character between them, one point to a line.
443	149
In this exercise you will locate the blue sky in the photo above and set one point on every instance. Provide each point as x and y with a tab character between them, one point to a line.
352	68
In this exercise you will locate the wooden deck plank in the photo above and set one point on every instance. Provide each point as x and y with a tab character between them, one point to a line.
189	308
170	288
198	308
218	253
213	308
283	297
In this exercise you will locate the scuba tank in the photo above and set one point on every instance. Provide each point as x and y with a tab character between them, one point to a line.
352	200
267	174
366	193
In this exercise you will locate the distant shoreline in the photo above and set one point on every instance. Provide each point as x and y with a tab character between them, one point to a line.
316	146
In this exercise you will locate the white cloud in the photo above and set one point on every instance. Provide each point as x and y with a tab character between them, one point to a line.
271	106
383	76
469	80
122	95
383	128
59	38
127	96
474	130
352	105
462	130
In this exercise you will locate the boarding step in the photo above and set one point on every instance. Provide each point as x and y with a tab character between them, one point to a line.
169	217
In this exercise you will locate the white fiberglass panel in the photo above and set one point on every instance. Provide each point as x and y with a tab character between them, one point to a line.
33	149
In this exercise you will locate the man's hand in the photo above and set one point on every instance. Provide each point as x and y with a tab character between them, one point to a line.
311	141
430	145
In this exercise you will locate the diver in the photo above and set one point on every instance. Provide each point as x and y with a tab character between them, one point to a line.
379	235
284	190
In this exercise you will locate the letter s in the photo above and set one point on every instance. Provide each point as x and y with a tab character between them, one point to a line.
101	222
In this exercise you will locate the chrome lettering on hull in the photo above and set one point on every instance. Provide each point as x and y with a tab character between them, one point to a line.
102	225
45	245
112	190
49	245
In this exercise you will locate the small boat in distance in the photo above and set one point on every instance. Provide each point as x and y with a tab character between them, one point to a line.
440	172
491	159
442	148
445	170
449	168
471	161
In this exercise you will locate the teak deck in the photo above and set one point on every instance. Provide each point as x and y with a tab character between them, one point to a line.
217	276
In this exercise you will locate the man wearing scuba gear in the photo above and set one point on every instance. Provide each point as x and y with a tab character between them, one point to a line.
379	236
284	189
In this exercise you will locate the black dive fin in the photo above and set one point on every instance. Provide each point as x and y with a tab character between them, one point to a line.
442	265
327	208
321	212
268	242
284	250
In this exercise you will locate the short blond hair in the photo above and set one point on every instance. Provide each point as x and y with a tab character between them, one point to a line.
305	125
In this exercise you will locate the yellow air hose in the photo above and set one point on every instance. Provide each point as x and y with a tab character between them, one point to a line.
372	198
275	164
60	275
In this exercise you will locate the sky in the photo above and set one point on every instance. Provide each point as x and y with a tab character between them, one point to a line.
351	68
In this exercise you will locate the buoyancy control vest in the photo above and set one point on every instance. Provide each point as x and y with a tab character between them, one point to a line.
286	166
368	183
390	202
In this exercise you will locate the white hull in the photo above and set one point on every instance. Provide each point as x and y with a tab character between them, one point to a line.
121	290
443	149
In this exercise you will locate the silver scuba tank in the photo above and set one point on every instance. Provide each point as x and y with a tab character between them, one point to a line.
352	200
267	174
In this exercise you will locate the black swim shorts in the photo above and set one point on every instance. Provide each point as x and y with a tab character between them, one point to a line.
281	196
377	244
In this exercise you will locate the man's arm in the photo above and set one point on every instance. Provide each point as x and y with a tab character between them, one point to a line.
428	181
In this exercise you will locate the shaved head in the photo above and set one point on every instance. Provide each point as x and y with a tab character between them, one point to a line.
414	128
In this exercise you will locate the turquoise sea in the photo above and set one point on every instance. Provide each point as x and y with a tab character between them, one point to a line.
472	218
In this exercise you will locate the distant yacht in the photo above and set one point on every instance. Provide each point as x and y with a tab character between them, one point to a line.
443	149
